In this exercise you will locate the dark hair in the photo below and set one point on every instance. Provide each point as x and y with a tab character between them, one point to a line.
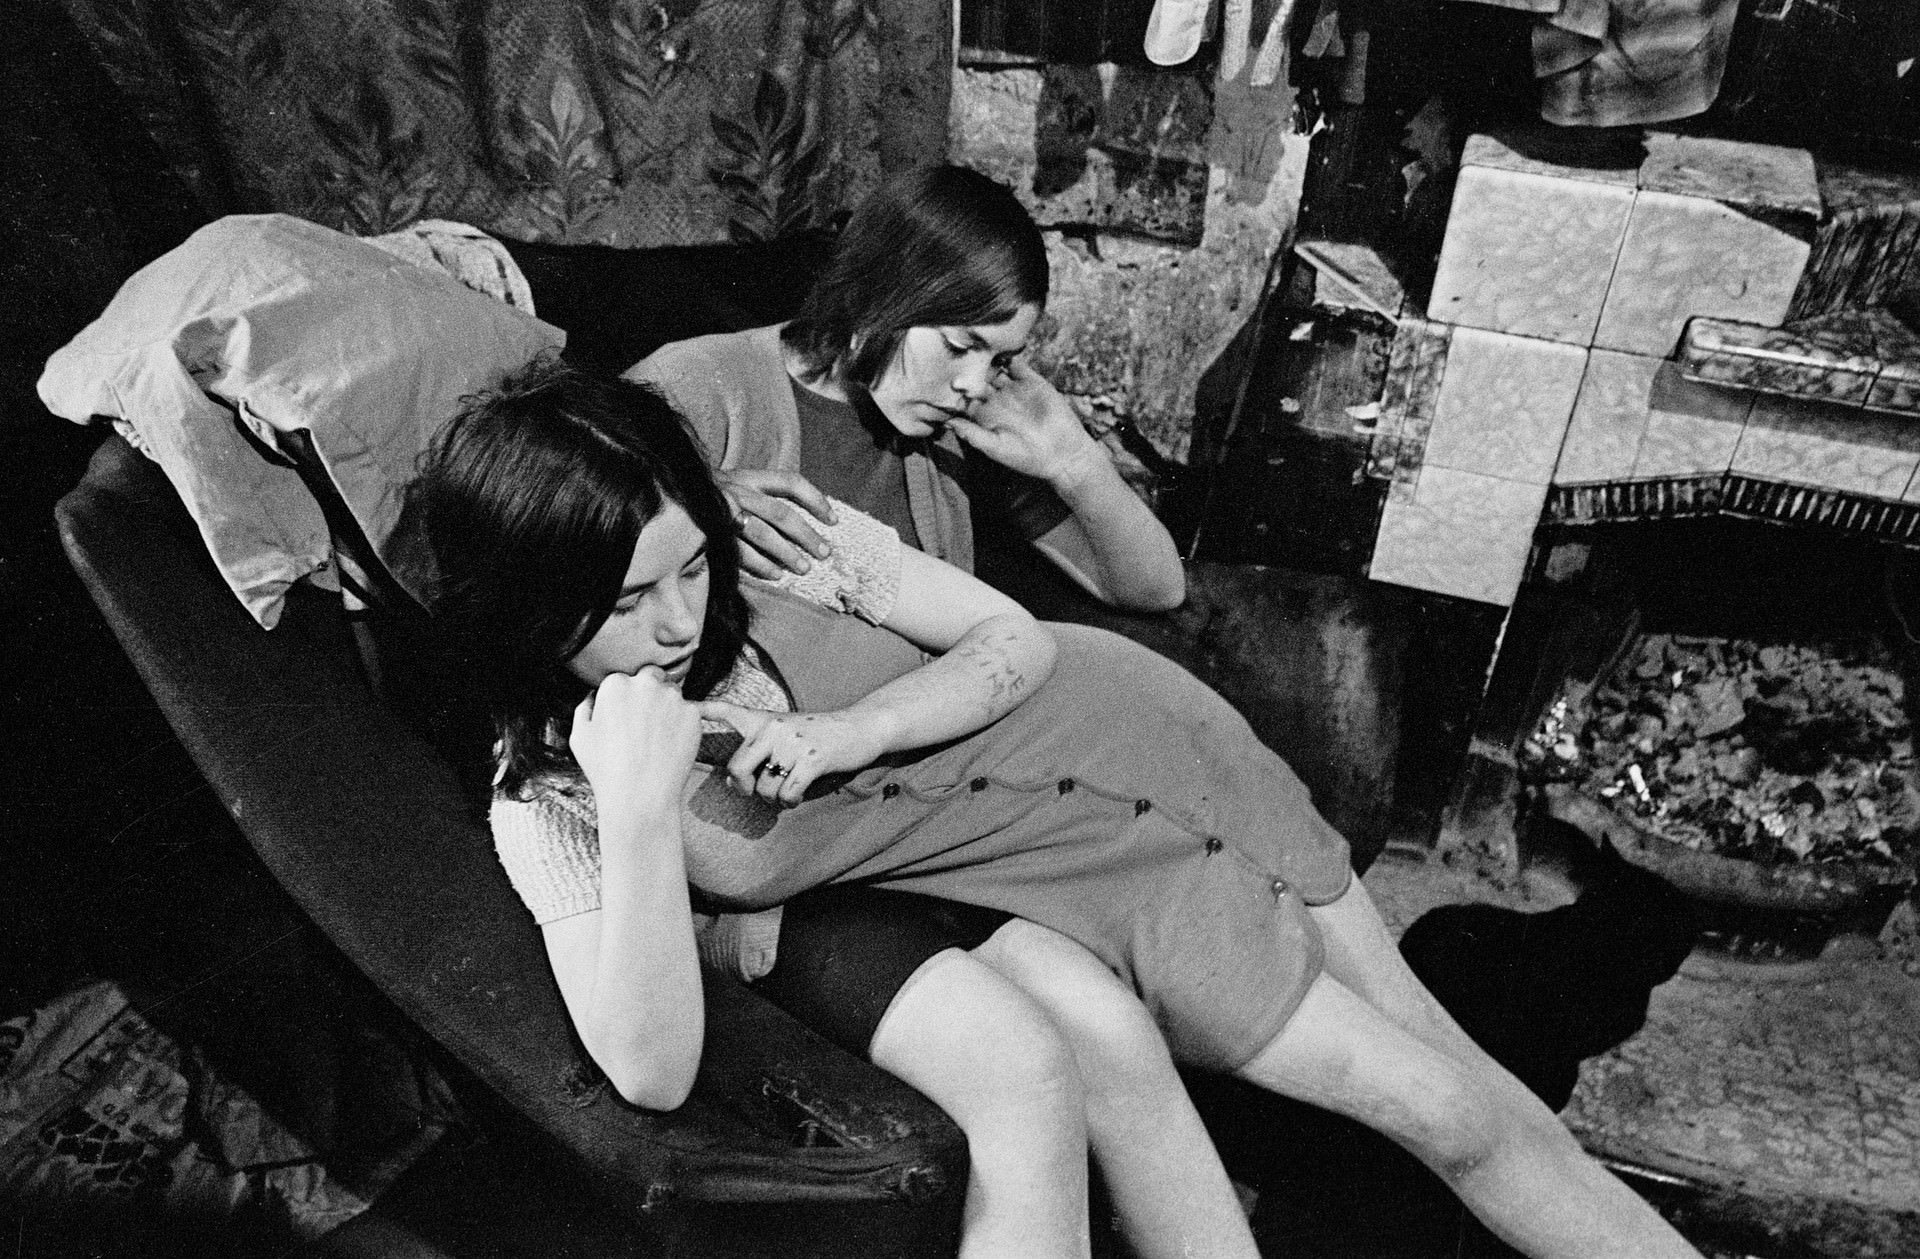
935	246
532	500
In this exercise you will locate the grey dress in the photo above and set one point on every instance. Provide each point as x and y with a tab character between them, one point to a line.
1124	804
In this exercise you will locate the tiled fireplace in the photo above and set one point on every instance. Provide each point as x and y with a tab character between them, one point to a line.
1647	327
1642	327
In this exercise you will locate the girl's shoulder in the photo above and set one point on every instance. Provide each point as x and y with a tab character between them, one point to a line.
861	573
548	796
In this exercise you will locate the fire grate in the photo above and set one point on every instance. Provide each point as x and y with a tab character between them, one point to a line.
1730	494
1771	780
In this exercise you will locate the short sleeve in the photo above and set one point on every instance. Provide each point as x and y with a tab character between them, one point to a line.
1009	501
550	846
862	574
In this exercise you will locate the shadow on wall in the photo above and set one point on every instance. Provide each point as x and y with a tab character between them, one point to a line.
1122	148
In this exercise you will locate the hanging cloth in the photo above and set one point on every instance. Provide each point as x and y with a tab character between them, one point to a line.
1176	27
1616	63
1629	63
1174	30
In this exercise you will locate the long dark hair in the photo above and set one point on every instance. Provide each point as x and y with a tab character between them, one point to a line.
532	500
933	247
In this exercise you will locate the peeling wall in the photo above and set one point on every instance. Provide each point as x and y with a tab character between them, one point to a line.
1165	196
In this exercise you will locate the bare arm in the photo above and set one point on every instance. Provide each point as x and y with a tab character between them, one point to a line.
992	656
628	970
1112	545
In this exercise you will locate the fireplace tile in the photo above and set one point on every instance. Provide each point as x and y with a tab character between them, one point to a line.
1463	534
1415	366
1596	156
1871	229
1833	447
1529	254
1683	256
1767	177
1830	359
1897	388
1691	428
1504	405
1609	418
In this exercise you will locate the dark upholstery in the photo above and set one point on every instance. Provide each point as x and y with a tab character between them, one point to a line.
787	1146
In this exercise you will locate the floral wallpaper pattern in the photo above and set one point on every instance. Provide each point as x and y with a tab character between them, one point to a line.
615	122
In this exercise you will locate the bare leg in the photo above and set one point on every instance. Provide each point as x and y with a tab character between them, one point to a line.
992	1059
1362	954
1168	1187
1512	1163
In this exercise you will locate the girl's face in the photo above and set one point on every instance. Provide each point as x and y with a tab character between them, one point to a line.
943	372
663	605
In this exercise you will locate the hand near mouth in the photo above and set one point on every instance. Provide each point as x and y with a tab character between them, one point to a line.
1029	426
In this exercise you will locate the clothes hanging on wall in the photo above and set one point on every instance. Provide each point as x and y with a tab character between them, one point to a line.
1614	63
1176	28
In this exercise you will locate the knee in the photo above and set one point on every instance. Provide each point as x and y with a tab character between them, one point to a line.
1035	1071
1124	1057
1458	1127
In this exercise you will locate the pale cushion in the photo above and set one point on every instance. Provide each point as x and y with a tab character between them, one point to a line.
259	325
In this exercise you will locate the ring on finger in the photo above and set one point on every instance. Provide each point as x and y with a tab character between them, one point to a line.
773	769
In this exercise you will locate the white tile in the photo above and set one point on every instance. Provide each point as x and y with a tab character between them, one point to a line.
1692	429
1738	172
1504	404
1463	534
1609	418
1833	447
1683	256
1528	254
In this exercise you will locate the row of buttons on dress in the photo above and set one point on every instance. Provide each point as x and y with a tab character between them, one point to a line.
1214	845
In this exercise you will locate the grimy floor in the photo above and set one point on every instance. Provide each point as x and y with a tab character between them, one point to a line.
1771	1109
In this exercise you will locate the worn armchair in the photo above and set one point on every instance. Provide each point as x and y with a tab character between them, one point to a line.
788	1145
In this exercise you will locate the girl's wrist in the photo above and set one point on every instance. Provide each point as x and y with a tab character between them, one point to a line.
878	728
641	811
1079	472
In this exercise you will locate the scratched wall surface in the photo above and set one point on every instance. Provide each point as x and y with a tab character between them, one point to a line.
1166	194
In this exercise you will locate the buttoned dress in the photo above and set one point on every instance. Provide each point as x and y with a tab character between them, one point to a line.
1124	804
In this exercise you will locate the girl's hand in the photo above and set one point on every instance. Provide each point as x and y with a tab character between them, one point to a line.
775	535
635	739
1029	426
804	745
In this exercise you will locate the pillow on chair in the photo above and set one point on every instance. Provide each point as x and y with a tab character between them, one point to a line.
262	336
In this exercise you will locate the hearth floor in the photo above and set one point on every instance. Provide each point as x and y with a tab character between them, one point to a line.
1771	1107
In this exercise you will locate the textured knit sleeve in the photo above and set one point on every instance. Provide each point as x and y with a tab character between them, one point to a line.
861	576
550	846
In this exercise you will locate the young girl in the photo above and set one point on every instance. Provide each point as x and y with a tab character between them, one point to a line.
902	388
534	504
1119	802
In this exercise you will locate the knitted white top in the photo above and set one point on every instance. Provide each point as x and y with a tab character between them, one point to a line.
549	842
